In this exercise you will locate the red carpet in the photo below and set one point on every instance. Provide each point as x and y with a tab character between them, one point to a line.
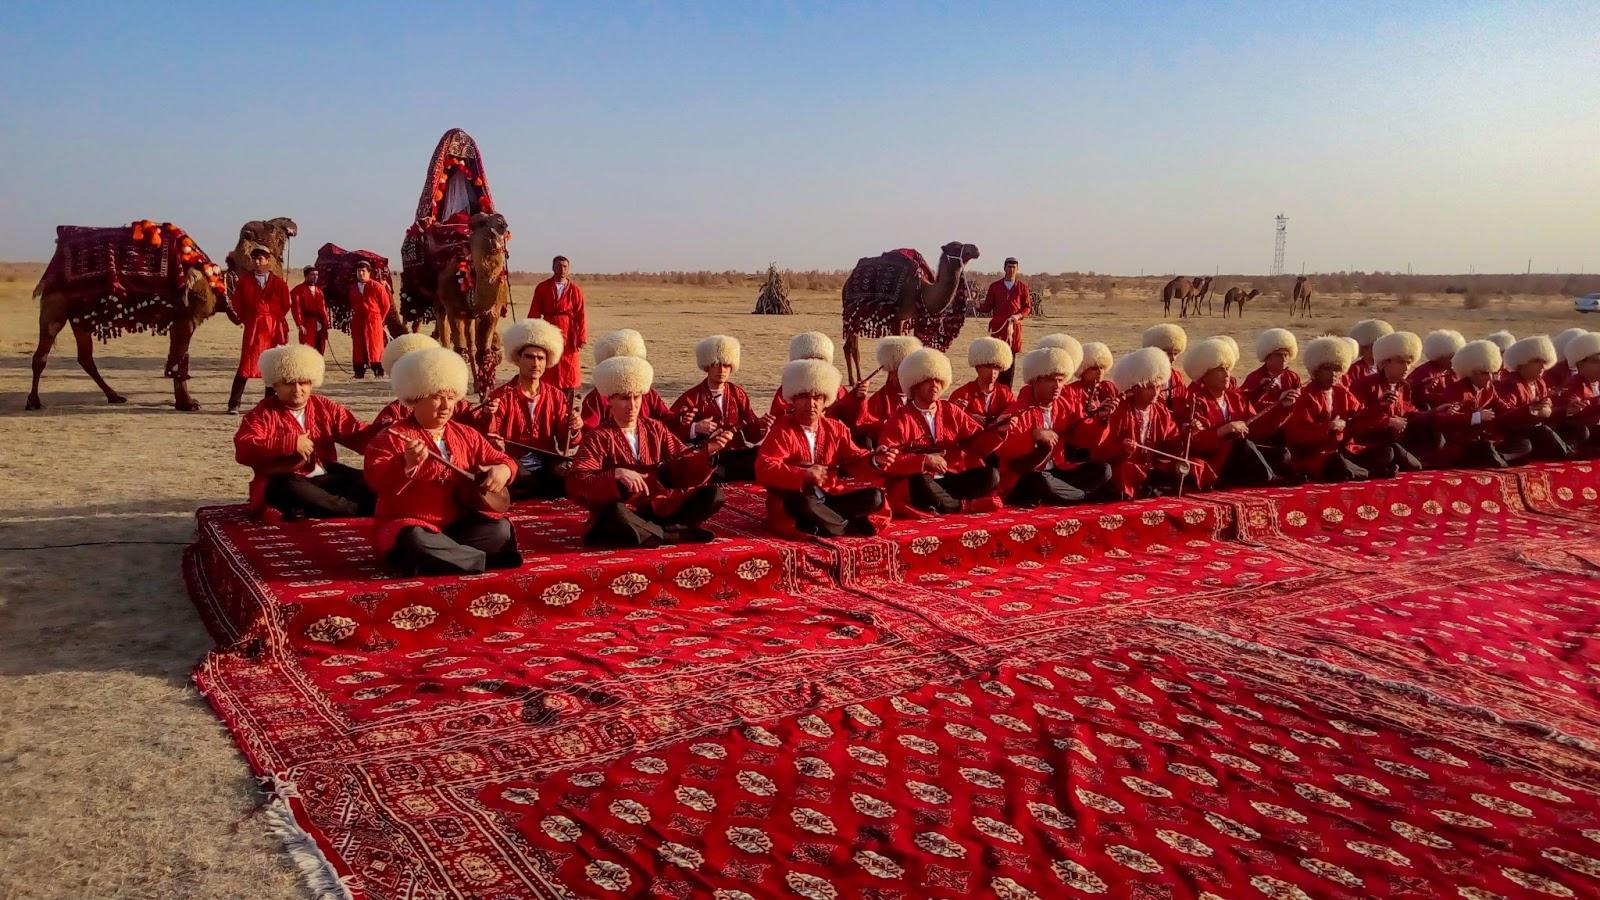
1361	691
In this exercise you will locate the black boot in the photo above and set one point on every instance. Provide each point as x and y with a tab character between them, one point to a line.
236	394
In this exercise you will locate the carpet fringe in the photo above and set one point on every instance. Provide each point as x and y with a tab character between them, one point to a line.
316	871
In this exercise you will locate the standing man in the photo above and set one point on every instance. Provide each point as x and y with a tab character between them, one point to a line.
559	301
262	301
310	310
369	308
1008	302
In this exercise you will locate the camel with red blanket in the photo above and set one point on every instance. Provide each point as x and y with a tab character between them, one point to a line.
896	293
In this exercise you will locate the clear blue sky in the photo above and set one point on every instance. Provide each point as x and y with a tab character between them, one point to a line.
655	136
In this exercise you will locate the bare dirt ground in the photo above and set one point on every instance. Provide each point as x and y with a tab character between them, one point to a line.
115	778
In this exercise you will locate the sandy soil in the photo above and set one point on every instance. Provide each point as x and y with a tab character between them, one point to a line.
115	779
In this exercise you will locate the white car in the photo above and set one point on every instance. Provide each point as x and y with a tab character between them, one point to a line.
1588	303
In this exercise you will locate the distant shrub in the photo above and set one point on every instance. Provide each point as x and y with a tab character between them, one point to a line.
1474	300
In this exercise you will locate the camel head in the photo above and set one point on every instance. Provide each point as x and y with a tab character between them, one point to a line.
273	234
490	233
957	250
1252	293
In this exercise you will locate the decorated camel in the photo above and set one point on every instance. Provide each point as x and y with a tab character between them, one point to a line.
1300	299
897	293
470	299
273	234
106	282
1237	296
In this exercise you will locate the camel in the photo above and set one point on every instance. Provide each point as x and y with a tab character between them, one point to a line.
1202	294
869	313
1301	298
1237	296
197	302
1180	289
470	301
273	234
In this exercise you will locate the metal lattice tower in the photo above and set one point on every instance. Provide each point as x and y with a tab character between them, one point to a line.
1278	244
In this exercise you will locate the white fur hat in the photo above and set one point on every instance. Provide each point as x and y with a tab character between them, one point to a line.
1095	356
1272	340
1561	339
1166	336
988	351
623	375
292	362
1478	356
1367	331
1442	344
1229	340
1529	349
1329	349
1398	344
622	342
893	350
1209	354
1355	349
1045	361
425	372
1582	347
536	333
405	343
811	345
810	376
718	348
924	364
1502	339
1060	339
1149	365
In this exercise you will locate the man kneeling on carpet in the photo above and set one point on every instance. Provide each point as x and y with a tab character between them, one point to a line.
806	455
643	487
431	474
941	467
532	417
288	441
715	404
1035	465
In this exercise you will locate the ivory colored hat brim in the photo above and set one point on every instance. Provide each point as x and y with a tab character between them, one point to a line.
534	333
292	362
811	345
405	343
1046	361
1166	336
893	350
1095	356
623	375
1529	349
988	351
1272	340
1397	345
1209	354
1442	344
1329	349
1582	347
622	342
924	364
429	371
810	376
1148	365
1367	331
1476	357
718	348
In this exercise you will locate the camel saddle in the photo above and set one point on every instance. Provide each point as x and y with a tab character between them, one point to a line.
337	267
871	299
454	189
117	284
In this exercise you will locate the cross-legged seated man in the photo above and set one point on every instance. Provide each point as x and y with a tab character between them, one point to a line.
942	465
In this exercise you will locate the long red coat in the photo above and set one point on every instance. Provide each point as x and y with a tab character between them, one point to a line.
542	428
955	435
1262	387
1453	418
1209	415
592	481
595	413
569	315
309	308
426	497
1579	391
1429	383
1176	393
1309	433
1557	376
1520	397
735	413
1089	396
1129	472
785	455
369	309
1381	401
983	407
1018	452
268	434
262	309
1001	303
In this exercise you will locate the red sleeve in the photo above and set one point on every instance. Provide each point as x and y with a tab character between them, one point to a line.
482	453
384	465
257	443
385	302
1206	438
1304	425
579	331
674	417
903	432
1024	300
347	429
986	306
773	468
1017	438
589	482
1109	446
535	308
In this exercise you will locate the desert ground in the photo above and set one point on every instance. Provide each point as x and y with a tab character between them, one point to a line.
115	778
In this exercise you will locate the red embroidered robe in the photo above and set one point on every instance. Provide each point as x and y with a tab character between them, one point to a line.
1429	382
425	497
1152	426
268	435
1520	397
595	412
1211	413
1001	303
1379	402
734	413
1309	433
983	407
1018	452
262	309
1453	418
592	481
568	314
310	311
785	455
543	428
369	309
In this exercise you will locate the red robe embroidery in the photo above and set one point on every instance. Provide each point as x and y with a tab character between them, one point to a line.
369	309
1209	415
1018	452
845	407
268	435
568	314
1379	402
427	497
1153	427
1453	417
592	481
1576	390
955	435
785	455
983	407
735	413
395	411
880	407
1557	376
543	428
310	311
1309	433
1429	382
1001	303
1520	397
262	309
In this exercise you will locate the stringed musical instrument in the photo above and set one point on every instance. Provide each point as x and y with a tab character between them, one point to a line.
471	492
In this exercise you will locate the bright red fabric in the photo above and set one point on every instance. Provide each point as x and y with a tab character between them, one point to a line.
263	310
786	454
1309	432
543	428
369	309
268	435
1429	382
569	314
593	483
1001	303
426	496
735	413
309	308
985	407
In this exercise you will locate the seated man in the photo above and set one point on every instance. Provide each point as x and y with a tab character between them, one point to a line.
1365	333
1387	421
1578	401
288	442
1317	432
1140	440
816	345
1062	341
1089	387
1223	423
803	458
887	400
643	487
1433	378
624	342
984	398
424	523
941	466
395	410
1172	340
716	404
1468	412
1272	382
1035	467
1530	406
1558	375
532	417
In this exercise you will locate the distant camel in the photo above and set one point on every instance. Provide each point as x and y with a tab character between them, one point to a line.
1202	294
1301	298
1237	295
1179	289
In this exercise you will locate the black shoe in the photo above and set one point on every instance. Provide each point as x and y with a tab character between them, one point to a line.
505	559
690	534
377	371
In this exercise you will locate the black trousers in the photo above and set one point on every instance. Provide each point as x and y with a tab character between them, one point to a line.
945	493
735	465
615	525
1487	454
1341	466
1088	482
1388	458
467	546
833	515
361	369
1246	465
541	483
1547	444
339	493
